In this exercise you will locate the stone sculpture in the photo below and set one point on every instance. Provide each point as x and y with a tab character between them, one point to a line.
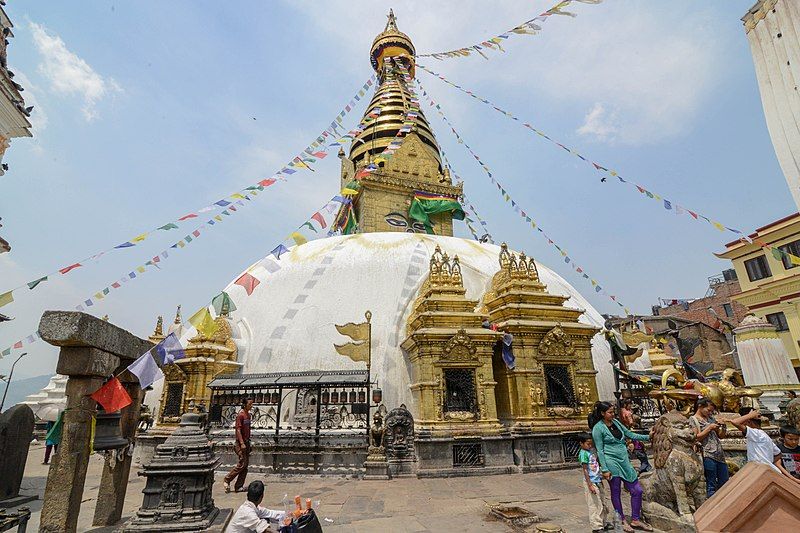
676	488
399	441
16	433
376	465
793	413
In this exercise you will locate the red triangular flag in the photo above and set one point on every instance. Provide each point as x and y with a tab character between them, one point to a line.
267	182
186	217
319	218
18	344
694	215
111	396
71	267
248	282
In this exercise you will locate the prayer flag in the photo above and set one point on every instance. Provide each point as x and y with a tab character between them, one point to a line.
71	267
140	269
298	238
667	204
167	227
146	369
310	226
18	345
187	217
170	349
718	225
196	233
6	298
280	249
126	244
139	238
248	282
319	218
112	396
204	322
223	304
777	254
5	352
794	259
222	203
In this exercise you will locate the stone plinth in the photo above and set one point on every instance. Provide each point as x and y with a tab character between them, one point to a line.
757	499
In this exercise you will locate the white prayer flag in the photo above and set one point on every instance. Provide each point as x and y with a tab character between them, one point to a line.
146	369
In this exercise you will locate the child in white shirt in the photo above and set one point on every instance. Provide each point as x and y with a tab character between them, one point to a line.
760	447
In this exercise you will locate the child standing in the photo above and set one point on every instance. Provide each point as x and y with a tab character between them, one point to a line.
593	484
789	445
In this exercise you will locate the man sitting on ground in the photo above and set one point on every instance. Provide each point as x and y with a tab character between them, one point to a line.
249	517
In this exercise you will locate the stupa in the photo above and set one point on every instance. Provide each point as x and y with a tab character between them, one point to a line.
432	297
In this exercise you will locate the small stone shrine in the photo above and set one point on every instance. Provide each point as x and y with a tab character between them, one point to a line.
16	433
177	495
399	441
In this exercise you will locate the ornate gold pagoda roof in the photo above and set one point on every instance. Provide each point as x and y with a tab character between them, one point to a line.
393	97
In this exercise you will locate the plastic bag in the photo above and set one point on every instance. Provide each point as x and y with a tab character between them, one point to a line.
308	523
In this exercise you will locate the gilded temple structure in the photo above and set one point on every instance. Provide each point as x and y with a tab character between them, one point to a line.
495	357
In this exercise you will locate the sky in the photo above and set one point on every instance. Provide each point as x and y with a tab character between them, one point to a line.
144	111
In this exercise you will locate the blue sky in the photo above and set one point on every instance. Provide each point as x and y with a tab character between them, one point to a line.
148	110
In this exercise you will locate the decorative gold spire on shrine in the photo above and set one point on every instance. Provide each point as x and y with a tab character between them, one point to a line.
178	319
159	331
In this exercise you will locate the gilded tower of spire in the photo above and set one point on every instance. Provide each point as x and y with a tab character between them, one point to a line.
412	171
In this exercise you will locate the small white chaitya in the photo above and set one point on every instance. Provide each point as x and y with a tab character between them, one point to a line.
765	363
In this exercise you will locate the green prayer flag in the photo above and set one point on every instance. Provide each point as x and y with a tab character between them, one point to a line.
222	302
32	285
777	254
54	435
421	209
169	226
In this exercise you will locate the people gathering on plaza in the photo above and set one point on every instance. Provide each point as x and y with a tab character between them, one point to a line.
605	453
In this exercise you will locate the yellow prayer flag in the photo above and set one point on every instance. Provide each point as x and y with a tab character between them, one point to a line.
140	269
718	226
204	322
355	351
218	218
348	191
237	195
357	332
6	298
99	295
794	259
298	238
139	238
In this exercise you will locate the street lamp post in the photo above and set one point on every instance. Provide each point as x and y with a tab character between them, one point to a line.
8	380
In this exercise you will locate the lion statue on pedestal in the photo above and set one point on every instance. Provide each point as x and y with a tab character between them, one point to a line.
676	488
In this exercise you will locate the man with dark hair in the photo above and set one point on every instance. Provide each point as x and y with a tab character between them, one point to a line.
250	516
760	448
241	447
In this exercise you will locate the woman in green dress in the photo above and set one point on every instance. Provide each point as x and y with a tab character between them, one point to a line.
609	436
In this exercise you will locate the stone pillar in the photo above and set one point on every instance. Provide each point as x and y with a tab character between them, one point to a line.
91	351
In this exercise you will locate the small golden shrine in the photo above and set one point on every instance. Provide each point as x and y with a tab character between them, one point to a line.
186	380
451	355
552	386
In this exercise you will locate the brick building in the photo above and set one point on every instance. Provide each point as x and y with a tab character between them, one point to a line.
717	304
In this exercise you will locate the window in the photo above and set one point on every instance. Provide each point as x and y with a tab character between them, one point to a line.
559	386
778	320
791	248
173	404
460	390
757	268
728	310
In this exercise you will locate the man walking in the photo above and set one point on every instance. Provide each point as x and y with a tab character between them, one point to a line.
241	447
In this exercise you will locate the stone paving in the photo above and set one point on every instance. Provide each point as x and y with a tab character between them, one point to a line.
355	506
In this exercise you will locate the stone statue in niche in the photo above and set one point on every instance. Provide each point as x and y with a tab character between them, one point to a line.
399	433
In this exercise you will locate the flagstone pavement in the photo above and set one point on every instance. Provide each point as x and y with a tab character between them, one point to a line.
356	506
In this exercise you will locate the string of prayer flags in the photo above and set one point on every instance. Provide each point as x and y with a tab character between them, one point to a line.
112	396
529	27
467	203
316	150
517	209
667	204
170	349
146	370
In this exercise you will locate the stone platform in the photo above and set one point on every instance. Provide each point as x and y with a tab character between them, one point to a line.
351	505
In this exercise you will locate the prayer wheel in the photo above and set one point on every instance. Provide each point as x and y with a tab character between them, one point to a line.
276	397
335	397
107	432
352	396
362	396
377	395
259	398
326	397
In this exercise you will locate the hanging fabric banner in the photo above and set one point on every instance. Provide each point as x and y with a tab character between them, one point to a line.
517	209
425	204
529	27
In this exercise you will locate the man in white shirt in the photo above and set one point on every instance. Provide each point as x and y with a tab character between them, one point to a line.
249	517
760	447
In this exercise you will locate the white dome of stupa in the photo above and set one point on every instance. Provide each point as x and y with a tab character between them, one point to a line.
287	323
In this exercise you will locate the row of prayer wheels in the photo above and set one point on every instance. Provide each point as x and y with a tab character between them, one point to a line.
328	397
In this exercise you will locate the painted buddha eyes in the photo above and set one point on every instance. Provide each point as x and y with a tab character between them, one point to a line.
399	220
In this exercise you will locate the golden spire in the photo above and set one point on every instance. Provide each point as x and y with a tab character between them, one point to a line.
178	316
159	331
391	24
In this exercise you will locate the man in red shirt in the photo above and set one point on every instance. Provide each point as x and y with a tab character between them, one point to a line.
241	447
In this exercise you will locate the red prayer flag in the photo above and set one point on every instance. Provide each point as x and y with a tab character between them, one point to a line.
71	267
186	217
319	218
111	396
116	285
247	281
196	233
267	182
694	215
320	155
18	344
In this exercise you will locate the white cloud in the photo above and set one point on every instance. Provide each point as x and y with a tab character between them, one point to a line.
599	124
69	74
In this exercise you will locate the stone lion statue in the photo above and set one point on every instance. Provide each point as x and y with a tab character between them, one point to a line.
676	488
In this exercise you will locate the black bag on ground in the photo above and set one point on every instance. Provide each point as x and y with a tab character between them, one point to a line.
308	523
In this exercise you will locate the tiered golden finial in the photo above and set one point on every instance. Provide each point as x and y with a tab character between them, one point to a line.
518	267
443	270
159	331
